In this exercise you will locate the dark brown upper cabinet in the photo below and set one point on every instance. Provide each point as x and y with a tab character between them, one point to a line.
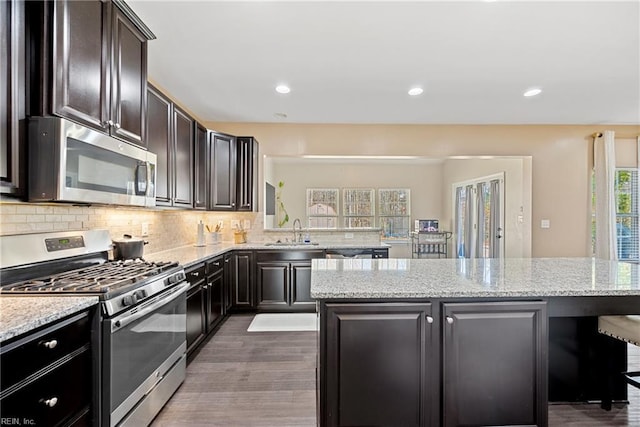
234	173
171	138
223	156
12	96
200	169
247	174
89	64
183	129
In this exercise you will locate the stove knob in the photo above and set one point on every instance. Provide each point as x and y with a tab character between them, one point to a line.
141	294
129	300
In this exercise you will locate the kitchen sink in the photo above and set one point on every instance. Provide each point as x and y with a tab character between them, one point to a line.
290	244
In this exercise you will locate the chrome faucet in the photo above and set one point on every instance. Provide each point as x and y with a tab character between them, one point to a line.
297	237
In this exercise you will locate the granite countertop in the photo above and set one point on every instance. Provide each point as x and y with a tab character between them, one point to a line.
19	314
460	278
191	254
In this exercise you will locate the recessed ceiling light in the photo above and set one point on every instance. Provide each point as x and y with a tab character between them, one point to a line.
532	92
415	91
280	115
283	89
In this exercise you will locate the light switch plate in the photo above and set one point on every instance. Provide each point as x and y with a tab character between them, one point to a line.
348	235
144	231
545	223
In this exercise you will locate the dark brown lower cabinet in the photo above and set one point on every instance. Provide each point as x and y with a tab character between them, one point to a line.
215	291
377	365
495	364
283	280
196	307
241	281
433	363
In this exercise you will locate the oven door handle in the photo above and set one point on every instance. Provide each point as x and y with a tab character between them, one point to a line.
127	318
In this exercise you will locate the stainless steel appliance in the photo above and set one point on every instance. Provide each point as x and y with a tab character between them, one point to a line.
72	163
143	306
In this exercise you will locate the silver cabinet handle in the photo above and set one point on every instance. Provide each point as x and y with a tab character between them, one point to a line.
226	260
117	126
204	286
195	273
217	263
50	344
51	402
449	320
108	123
429	319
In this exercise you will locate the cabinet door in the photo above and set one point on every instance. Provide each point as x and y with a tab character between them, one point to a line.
81	62
272	284
246	182
376	367
223	173
242	280
228	283
159	141
183	164
196	310
495	364
215	300
200	169
128	80
301	286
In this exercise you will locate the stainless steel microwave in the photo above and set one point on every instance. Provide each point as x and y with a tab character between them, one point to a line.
72	163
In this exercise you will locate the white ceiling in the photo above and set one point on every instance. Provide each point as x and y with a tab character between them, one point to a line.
353	62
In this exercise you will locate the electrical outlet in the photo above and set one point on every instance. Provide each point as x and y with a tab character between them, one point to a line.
144	232
235	224
348	235
247	224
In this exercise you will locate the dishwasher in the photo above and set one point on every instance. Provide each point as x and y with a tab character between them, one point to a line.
348	253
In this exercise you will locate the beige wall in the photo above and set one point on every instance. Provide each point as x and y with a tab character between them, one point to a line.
561	161
423	179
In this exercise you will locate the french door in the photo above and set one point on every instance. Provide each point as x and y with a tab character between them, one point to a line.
479	217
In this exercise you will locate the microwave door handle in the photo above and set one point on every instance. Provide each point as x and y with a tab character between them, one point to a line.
149	179
146	178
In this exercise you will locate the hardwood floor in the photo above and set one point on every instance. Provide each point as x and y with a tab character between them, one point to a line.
242	378
261	379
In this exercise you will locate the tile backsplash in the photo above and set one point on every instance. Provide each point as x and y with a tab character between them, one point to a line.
167	228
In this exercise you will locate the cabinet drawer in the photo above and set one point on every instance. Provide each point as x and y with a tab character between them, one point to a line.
23	358
66	391
288	255
195	274
214	266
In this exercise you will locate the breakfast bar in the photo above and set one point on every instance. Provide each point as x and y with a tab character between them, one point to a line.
466	341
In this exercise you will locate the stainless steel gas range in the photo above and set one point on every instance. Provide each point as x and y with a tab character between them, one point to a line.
143	310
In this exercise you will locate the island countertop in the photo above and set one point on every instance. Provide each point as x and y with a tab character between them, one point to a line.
471	278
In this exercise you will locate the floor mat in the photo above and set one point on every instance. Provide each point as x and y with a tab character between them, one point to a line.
277	322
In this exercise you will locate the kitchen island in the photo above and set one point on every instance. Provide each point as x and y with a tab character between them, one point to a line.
465	342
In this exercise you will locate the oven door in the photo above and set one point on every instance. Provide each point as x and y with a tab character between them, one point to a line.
140	347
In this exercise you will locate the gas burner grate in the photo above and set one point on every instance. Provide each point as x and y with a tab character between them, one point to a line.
100	278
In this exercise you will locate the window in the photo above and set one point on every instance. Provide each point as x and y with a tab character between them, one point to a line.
626	194
322	207
358	208
394	210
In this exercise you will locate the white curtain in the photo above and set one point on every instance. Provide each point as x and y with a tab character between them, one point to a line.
605	168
